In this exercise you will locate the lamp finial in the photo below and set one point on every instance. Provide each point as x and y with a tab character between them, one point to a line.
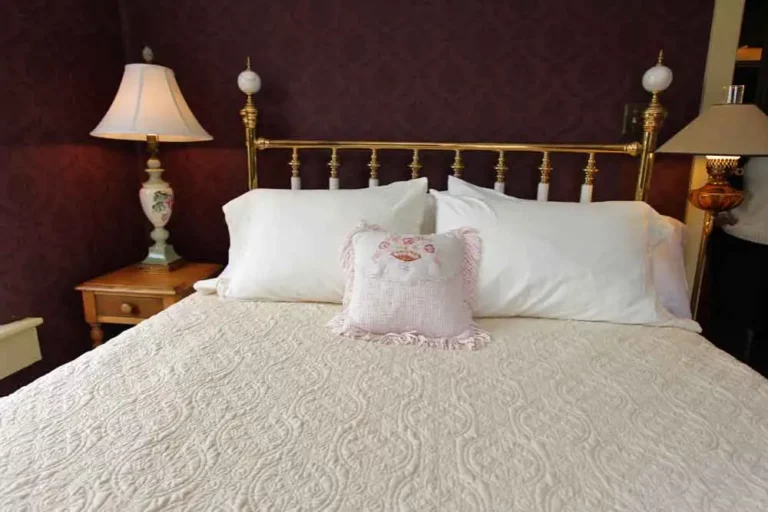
248	62
147	54
660	60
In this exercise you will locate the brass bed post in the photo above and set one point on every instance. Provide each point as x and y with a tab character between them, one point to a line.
653	117
250	83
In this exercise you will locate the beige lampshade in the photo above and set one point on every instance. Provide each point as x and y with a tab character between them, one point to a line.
149	102
731	129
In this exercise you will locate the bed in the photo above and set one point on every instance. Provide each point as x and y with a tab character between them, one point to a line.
217	405
247	405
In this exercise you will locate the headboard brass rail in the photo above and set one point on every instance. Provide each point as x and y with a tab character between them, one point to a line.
632	149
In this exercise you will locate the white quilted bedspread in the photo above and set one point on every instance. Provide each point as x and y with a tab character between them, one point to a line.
229	406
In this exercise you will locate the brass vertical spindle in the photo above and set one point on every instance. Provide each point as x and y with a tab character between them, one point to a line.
457	164
334	164
295	164
415	165
373	165
590	170
589	180
501	170
545	170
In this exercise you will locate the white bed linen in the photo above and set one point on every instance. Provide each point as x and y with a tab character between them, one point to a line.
242	405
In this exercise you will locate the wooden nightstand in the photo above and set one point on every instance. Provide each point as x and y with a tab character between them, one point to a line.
130	295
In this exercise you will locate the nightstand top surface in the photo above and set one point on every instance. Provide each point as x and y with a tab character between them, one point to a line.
132	279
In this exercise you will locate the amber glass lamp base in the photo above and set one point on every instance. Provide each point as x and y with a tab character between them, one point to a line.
716	196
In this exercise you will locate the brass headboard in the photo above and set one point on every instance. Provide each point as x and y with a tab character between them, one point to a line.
653	117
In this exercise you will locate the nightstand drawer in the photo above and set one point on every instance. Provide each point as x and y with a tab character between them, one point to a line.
129	295
127	306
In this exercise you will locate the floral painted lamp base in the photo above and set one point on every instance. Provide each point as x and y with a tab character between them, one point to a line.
156	196
149	107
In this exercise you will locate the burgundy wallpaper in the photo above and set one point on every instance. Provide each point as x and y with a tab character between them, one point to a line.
498	70
417	69
68	208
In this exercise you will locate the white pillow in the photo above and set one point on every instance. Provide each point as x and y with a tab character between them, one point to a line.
285	244
459	187
669	270
561	260
667	255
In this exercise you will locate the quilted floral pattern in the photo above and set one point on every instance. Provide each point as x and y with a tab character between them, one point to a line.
221	405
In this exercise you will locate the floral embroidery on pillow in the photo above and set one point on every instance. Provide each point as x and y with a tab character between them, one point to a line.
406	249
411	289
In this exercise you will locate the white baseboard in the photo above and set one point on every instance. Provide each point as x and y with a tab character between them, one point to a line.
19	346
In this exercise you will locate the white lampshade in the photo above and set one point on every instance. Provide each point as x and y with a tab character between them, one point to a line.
149	102
730	129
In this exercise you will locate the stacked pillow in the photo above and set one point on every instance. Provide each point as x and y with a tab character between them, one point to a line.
577	261
285	244
598	261
668	262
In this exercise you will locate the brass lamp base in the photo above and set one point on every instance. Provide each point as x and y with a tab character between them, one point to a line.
715	197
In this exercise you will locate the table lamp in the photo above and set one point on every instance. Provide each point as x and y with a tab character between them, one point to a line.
149	106
723	133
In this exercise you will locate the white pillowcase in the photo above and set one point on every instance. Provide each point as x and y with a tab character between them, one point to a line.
667	255
285	244
562	260
668	259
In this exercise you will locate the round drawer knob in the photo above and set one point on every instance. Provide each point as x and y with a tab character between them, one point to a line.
126	308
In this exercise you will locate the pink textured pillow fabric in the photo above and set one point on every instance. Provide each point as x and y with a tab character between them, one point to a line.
411	289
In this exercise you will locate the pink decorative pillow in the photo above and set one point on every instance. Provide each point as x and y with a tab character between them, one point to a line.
411	289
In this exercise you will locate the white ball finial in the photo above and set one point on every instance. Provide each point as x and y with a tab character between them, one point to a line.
658	78
248	81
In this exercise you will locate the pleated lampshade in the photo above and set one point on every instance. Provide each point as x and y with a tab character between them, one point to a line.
149	102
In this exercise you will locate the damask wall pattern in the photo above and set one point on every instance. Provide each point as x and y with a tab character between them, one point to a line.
68	206
497	70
